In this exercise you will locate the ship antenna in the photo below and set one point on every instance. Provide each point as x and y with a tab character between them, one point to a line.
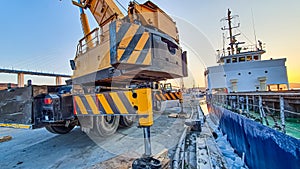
254	29
231	37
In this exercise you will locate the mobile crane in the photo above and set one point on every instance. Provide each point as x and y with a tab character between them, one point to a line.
116	73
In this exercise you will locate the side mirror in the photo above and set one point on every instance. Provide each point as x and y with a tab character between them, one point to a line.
72	64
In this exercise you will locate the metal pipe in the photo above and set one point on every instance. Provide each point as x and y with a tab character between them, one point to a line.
282	113
253	103
247	104
260	109
180	145
147	142
182	154
176	159
263	94
238	102
181	106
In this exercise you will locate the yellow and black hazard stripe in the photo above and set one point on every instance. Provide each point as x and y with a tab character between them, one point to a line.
137	102
130	44
104	103
168	96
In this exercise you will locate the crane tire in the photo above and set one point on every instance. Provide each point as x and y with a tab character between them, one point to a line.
59	129
105	125
127	121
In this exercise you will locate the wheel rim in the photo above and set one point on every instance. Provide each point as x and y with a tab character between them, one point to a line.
109	119
130	119
106	125
127	121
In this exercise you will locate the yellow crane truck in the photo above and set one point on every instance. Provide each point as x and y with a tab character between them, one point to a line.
116	73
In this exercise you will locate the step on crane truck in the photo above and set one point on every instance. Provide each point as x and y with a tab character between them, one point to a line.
117	71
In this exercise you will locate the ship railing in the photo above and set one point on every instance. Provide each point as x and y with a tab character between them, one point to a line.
280	111
247	48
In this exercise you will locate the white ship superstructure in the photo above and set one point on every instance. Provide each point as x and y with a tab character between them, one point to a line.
241	69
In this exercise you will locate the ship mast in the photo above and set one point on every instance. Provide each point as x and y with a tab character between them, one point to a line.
230	31
230	27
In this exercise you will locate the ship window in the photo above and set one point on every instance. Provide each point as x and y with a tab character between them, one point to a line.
255	57
234	60
249	58
266	71
239	74
224	75
249	73
228	60
241	59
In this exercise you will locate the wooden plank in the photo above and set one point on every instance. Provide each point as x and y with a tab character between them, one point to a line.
163	158
124	161
5	138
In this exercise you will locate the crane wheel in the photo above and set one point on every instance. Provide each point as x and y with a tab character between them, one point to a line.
59	129
127	121
105	125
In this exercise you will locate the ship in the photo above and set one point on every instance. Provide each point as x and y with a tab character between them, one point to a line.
242	68
249	99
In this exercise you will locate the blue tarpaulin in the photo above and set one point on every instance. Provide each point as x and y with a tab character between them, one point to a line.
264	147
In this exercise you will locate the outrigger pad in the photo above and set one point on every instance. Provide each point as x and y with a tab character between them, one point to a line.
146	163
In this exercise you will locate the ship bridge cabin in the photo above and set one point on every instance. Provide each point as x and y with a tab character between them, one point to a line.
241	57
246	54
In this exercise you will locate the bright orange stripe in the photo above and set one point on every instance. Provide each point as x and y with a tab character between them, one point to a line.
157	97
173	97
178	94
162	96
167	96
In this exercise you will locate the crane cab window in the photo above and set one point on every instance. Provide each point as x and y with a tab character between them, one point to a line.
255	57
228	60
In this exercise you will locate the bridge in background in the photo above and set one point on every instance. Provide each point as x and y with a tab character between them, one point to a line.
21	74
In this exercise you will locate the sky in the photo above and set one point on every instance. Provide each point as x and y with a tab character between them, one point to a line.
42	35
